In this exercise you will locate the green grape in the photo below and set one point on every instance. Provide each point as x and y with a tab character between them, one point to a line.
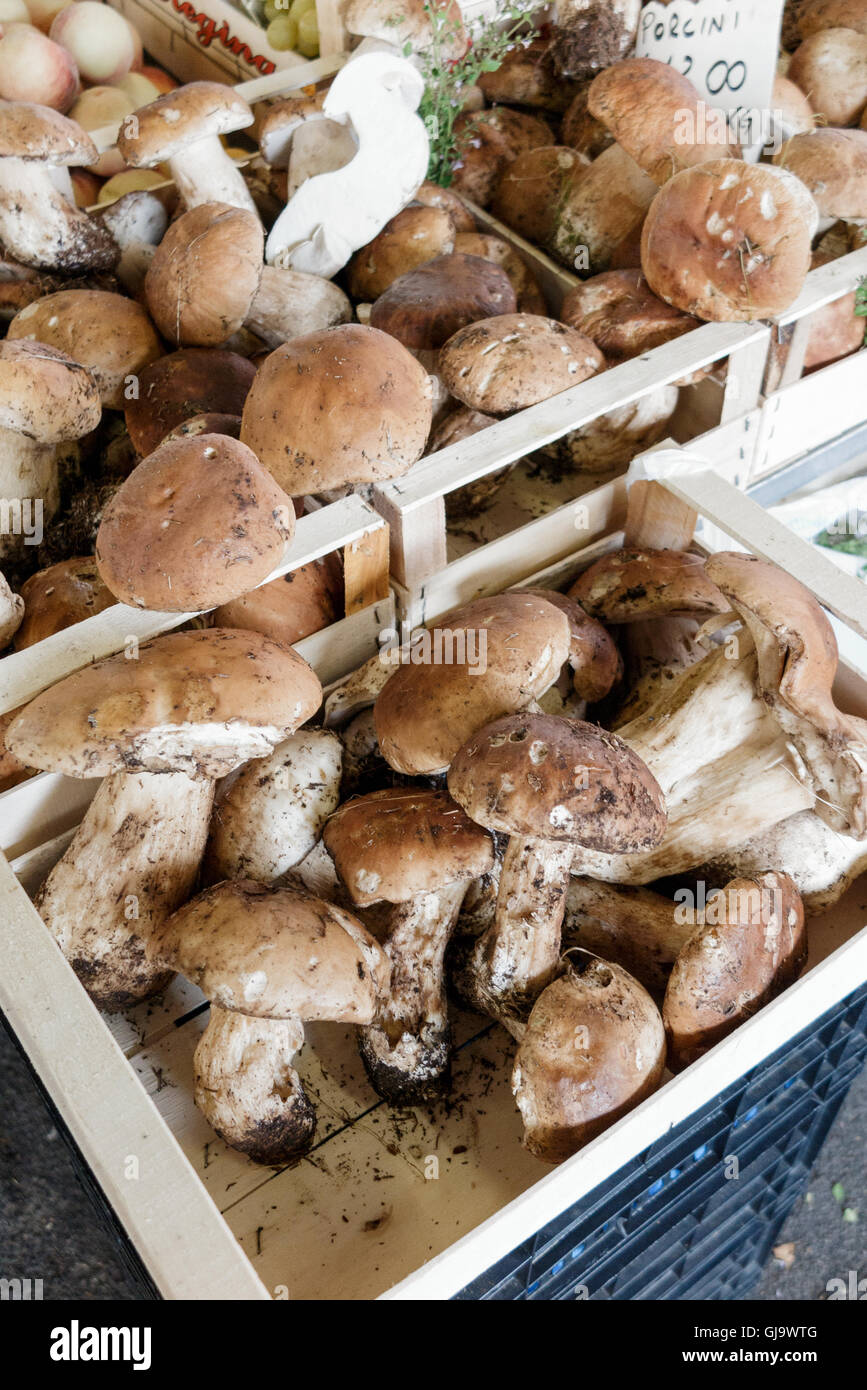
308	35
300	7
274	9
282	32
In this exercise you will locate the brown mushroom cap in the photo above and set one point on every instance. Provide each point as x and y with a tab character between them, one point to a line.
528	296
274	953
516	360
345	405
431	195
816	15
410	24
196	523
178	118
593	655
833	165
568	1093
729	241
526	77
487	141
205	273
211	422
644	103
629	586
796	115
44	394
416	235
620	313
426	712
58	597
393	844
201	702
108	334
549	778
532	187
35	132
291	607
423	308
752	946
580	129
830	67
190	382
797	654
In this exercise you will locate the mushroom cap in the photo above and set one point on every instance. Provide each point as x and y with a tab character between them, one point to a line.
579	128
192	381
178	119
196	523
426	306
344	405
108	334
425	712
728	241
200	702
833	165
629	586
532	187
282	120
57	597
274	953
752	947
205	273
44	394
416	234
516	360
35	132
410	24
393	844
816	15
431	195
644	102
594	658
620	313
291	607
487	142
526	78
529	297
568	1093
211	422
831	67
797	658
796	115
549	778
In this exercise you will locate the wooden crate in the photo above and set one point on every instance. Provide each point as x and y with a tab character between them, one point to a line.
395	1204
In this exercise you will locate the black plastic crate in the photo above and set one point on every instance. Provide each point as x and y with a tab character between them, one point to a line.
671	1224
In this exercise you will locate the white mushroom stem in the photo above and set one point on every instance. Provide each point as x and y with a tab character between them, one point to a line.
289	303
634	927
11	612
204	173
132	862
247	1088
513	961
40	227
29	487
406	1050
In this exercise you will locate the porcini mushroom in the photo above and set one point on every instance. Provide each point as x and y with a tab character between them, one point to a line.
487	142
182	128
343	406
426	306
418	24
593	1049
415	235
196	524
270	959
620	313
599	208
418	851
45	399
58	596
833	166
500	365
183	384
108	334
297	604
751	946
207	279
635	928
271	814
550	784
531	189
831	68
297	136
38	225
11	612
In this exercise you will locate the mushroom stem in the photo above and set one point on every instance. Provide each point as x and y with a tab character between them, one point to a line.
204	173
39	227
513	961
247	1087
406	1050
132	862
11	612
28	475
289	303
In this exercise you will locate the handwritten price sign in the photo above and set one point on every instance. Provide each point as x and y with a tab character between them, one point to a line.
727	48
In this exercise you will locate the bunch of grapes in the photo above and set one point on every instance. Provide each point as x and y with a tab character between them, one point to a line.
292	24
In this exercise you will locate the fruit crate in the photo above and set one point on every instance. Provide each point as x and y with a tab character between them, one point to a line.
443	1202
